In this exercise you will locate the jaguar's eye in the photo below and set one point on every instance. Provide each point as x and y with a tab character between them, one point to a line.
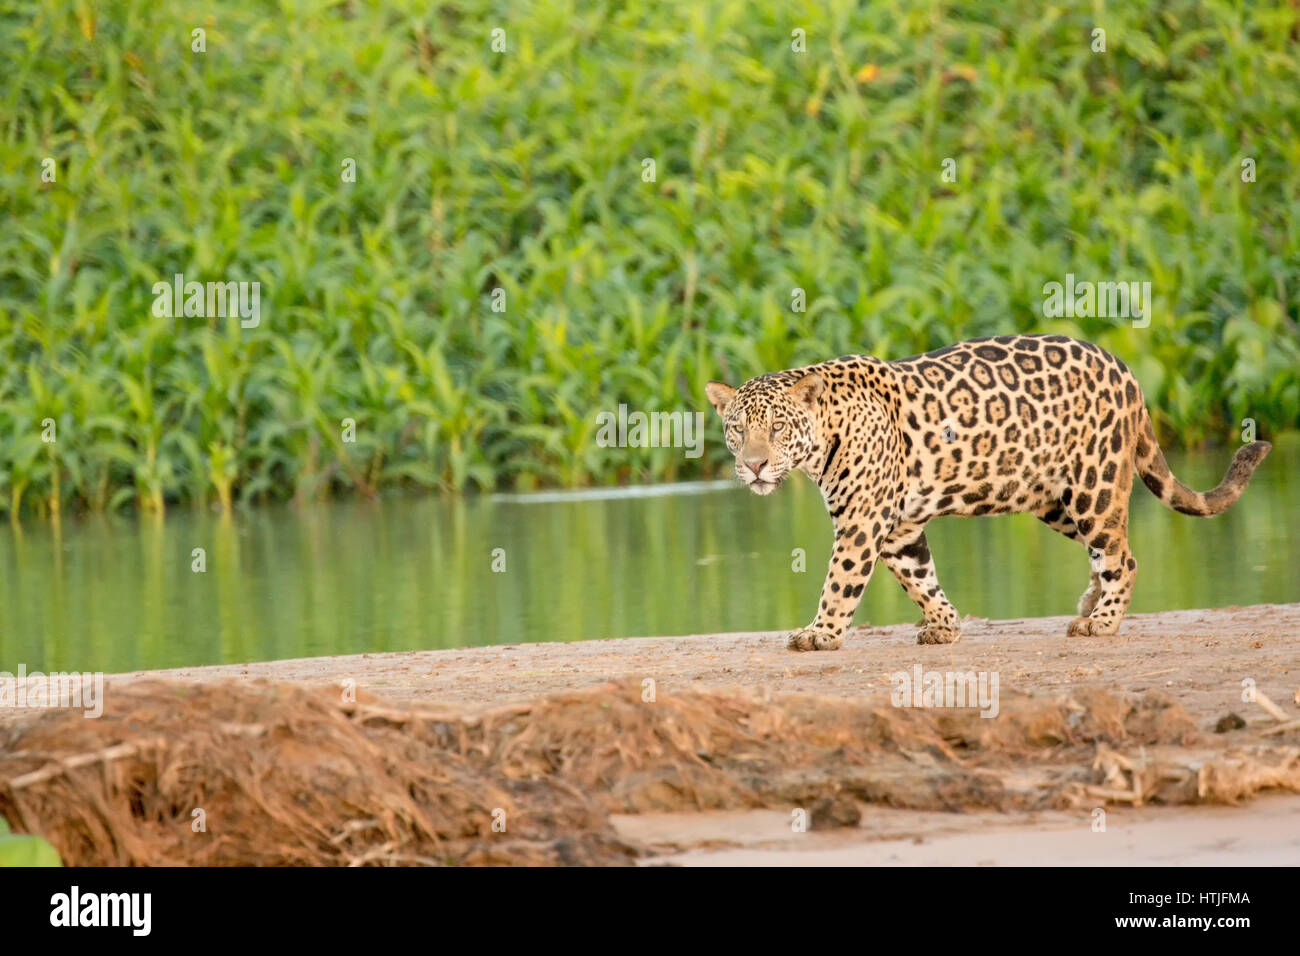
778	428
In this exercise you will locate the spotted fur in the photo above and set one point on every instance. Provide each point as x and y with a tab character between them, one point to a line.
1020	423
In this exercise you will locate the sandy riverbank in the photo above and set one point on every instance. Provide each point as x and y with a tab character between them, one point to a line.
1199	658
1128	722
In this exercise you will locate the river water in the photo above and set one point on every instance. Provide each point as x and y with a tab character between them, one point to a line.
122	593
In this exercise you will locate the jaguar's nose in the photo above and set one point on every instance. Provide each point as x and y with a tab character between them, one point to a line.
755	465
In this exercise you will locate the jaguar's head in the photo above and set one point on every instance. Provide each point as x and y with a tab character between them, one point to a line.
770	427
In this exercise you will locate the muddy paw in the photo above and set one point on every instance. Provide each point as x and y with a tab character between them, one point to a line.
937	634
806	639
1092	627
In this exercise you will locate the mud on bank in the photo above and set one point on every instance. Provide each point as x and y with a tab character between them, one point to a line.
498	773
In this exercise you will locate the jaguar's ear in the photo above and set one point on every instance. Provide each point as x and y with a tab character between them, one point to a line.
720	396
807	390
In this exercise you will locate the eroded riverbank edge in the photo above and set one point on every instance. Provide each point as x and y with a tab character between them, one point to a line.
1198	659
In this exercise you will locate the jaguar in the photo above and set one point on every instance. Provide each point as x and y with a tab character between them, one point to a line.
1043	424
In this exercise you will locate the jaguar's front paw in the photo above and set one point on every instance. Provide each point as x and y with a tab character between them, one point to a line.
807	639
938	634
1092	627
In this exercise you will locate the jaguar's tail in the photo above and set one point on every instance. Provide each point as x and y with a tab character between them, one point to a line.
1153	468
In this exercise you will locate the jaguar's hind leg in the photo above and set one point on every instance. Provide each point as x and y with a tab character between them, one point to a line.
907	554
1056	519
1099	510
1116	570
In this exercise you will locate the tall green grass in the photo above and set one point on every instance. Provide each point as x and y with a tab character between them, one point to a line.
522	171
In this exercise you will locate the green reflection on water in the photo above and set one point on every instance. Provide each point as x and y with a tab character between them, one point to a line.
118	593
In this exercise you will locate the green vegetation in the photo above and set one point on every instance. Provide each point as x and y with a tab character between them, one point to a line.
522	170
25	850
